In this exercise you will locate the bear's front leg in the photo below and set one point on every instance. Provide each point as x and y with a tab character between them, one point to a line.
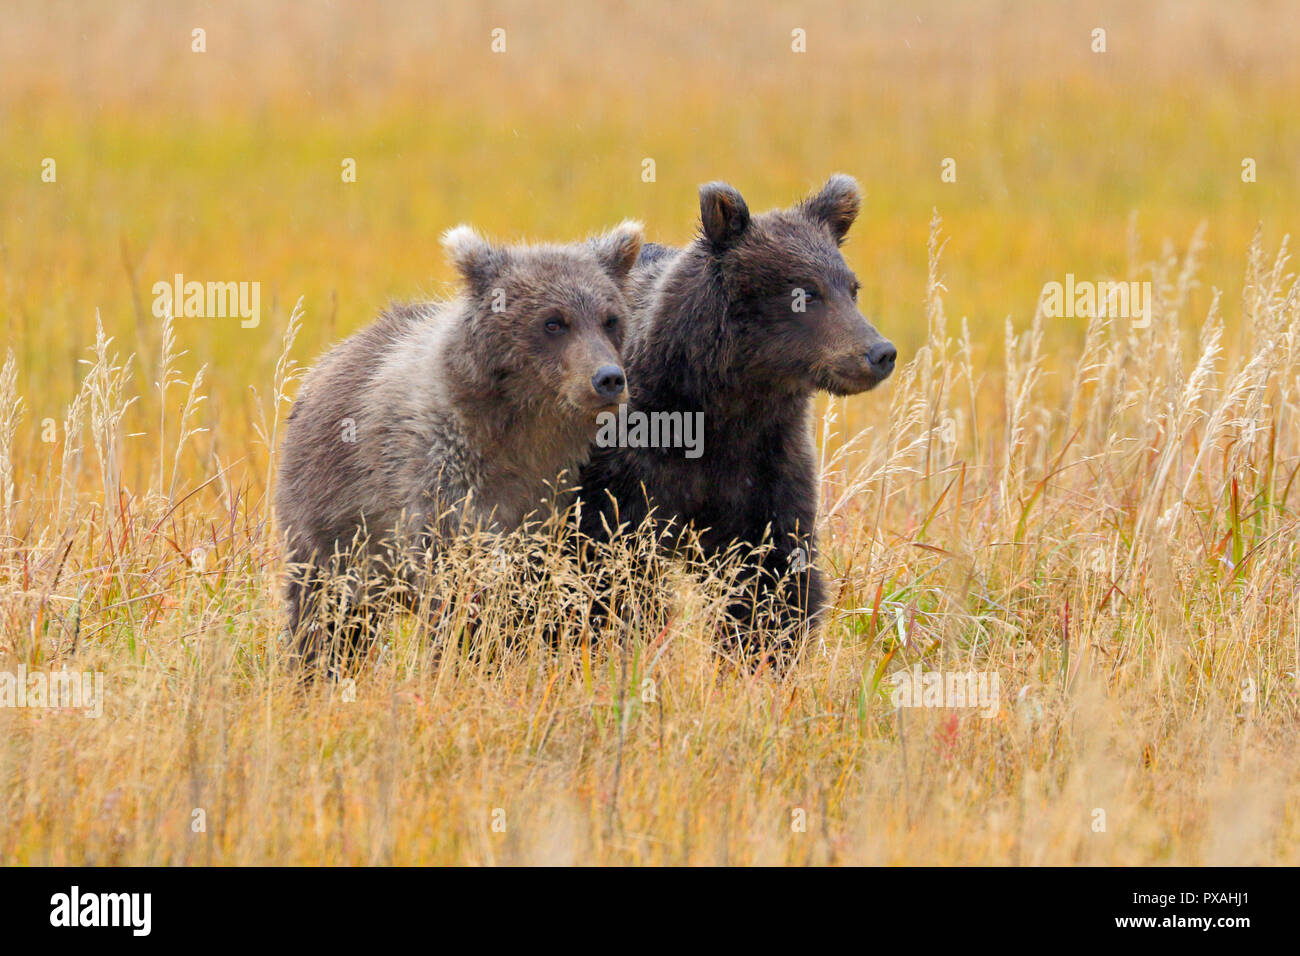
780	601
333	613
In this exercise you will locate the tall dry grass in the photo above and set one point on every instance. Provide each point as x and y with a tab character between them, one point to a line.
1121	552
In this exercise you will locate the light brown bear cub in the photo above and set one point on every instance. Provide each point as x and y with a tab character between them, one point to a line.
445	417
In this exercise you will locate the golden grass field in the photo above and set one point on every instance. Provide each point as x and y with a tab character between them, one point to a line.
1103	515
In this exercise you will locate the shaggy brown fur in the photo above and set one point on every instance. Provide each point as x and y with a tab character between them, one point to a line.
718	329
449	416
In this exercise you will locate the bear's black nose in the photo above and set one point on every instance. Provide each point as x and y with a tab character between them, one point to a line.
881	358
608	381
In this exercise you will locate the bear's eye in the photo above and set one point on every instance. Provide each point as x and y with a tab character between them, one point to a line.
555	324
611	322
853	289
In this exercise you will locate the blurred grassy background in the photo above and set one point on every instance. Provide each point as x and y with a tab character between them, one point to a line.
225	165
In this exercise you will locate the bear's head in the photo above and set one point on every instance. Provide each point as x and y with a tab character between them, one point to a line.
791	298
546	323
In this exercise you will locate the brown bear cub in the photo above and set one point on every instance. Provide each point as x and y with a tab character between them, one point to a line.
447	417
743	325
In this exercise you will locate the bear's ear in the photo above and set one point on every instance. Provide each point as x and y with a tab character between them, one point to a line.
723	214
616	250
836	205
477	260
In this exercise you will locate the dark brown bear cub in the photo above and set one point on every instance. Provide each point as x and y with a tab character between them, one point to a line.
447	417
744	325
